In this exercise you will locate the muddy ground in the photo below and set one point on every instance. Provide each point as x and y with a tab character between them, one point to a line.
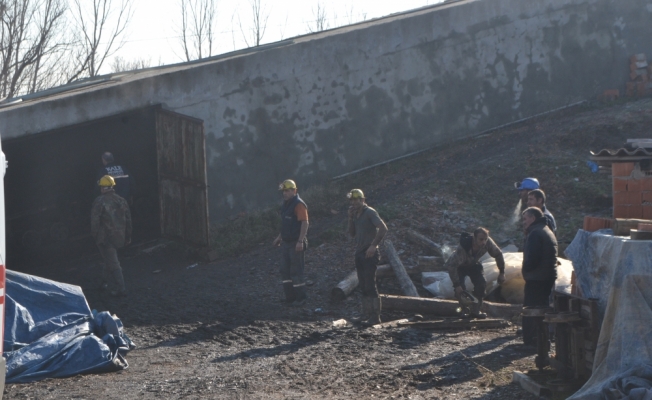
220	330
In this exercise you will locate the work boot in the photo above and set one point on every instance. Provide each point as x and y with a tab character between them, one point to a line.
119	280
366	309
376	309
290	294
475	311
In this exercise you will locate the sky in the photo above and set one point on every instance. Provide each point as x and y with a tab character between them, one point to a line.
153	34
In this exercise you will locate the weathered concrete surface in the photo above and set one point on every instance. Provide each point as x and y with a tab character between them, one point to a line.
324	104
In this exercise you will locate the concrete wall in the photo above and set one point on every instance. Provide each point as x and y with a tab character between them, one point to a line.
333	102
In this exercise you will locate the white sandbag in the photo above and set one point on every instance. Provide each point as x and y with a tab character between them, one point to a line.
440	285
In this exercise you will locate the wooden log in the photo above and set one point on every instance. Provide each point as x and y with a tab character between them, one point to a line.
502	310
622	226
391	324
458	324
440	307
345	287
407	287
423	241
530	385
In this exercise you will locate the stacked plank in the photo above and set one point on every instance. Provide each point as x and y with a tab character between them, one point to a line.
632	194
640	84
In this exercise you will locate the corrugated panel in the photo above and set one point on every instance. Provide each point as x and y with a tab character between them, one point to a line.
182	178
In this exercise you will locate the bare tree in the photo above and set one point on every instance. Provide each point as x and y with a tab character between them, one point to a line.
197	28
258	24
100	29
31	42
119	64
319	21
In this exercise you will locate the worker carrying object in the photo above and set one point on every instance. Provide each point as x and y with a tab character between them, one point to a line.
368	229
293	242
465	262
111	228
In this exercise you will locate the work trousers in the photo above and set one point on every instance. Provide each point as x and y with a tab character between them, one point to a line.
111	265
292	266
366	269
536	294
476	273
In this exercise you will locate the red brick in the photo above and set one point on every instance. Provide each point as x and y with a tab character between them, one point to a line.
622	169
639	75
637	58
646	197
621	211
647	212
635	212
630	89
627	198
646	184
620	184
644	227
634	185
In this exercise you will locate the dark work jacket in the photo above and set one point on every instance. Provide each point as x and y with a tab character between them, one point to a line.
550	220
123	181
539	252
290	225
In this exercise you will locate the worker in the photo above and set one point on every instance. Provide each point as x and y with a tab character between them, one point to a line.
111	229
124	182
537	198
465	262
368	229
539	266
524	189
293	242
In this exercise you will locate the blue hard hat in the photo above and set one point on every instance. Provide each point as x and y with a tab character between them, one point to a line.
528	184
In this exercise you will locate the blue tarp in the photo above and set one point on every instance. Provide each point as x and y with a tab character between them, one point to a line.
50	332
618	272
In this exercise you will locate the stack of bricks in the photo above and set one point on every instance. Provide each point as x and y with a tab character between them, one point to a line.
640	75
632	197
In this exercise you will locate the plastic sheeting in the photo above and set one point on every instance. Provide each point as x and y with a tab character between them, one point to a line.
50	332
618	272
440	285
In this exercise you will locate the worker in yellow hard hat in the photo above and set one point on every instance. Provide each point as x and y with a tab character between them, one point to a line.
368	229
111	228
293	242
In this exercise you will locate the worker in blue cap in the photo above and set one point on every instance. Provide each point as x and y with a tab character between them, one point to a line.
524	189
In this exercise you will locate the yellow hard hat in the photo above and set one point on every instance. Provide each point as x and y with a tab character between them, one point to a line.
106	181
355	194
287	184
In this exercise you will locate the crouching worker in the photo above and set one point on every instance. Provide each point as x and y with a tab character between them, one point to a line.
293	242
368	229
464	262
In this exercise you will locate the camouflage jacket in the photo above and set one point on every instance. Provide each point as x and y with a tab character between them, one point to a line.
111	220
463	258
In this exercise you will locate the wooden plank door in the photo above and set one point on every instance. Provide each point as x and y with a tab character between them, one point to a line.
181	150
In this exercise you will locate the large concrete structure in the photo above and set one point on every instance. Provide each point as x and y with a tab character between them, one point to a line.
320	105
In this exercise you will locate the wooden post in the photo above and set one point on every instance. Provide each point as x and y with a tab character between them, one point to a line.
403	278
441	307
345	287
423	241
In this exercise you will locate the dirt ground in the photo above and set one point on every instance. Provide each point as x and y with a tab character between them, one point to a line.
220	330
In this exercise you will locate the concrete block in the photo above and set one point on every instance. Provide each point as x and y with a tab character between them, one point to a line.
620	184
622	169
